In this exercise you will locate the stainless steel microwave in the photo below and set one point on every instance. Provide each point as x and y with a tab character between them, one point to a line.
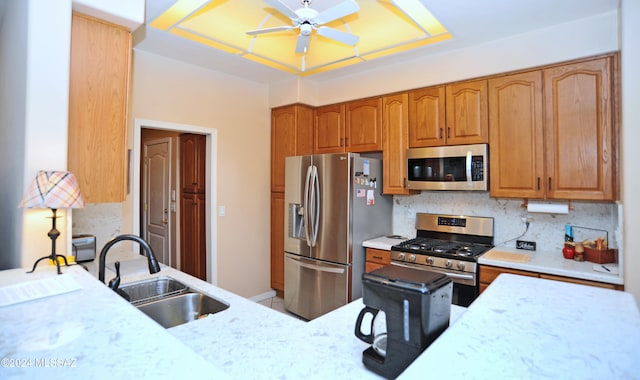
455	167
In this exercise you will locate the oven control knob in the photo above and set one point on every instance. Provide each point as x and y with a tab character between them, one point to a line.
430	260
448	264
401	256
412	258
461	266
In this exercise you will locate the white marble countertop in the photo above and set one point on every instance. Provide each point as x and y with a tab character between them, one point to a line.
384	242
553	263
530	328
518	327
86	334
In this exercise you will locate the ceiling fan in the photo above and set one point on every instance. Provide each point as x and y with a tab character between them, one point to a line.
307	19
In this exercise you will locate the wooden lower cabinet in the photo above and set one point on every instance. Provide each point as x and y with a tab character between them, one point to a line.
277	241
193	236
489	273
376	258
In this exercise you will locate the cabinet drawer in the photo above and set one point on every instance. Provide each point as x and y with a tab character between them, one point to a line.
378	256
489	273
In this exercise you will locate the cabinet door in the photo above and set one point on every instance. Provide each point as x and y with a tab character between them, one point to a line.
516	136
579	130
192	159
283	143
98	92
395	126
277	241
364	125
427	117
467	113
193	254
329	129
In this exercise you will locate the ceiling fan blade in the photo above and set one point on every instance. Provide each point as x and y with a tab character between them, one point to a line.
269	30
282	8
340	36
345	8
303	44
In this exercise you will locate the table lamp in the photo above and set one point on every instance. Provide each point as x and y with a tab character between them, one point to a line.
54	190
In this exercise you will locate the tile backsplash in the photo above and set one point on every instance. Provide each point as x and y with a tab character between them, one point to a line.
547	230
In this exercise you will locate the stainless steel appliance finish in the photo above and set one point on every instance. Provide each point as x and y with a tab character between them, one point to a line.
333	203
83	247
456	167
449	244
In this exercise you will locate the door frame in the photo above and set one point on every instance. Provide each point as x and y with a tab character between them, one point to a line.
210	180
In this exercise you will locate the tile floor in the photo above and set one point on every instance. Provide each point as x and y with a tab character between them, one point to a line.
277	303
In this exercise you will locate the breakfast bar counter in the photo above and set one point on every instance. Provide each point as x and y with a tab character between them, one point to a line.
519	327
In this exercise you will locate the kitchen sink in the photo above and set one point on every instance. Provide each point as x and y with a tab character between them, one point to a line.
182	308
169	302
150	290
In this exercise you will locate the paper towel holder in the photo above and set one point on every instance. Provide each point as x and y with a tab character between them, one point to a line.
525	204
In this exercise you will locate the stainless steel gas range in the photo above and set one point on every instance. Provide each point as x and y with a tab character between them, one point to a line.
449	244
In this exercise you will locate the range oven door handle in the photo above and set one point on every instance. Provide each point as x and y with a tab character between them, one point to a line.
459	276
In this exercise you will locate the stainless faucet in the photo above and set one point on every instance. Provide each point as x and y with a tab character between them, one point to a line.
154	267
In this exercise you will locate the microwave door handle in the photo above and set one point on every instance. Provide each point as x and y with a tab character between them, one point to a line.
306	218
468	168
315	199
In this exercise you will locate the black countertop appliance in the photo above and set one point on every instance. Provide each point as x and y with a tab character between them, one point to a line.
417	307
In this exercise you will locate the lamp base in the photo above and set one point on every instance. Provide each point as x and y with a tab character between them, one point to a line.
50	257
53	235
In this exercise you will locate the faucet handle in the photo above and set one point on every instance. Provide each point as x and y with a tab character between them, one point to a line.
115	282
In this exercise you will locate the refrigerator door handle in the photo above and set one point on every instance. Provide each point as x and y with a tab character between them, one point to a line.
306	218
315	199
320	268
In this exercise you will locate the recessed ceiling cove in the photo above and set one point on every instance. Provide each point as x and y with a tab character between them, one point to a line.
304	37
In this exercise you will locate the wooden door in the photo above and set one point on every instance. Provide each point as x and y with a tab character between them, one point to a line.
329	129
277	241
467	113
427	117
395	126
364	125
579	130
193	235
192	156
98	92
516	136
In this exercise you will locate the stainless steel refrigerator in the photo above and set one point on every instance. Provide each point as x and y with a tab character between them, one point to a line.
333	203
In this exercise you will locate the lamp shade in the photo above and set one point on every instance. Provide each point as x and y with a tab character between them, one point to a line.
53	189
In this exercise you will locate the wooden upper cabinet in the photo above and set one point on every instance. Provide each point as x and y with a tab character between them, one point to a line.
580	134
98	97
329	129
291	135
467	113
516	135
454	114
192	162
395	126
363	125
427	117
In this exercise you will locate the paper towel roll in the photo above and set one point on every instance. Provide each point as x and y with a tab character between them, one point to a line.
547	207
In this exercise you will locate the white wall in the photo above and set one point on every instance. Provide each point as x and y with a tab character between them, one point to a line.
13	78
630	62
35	88
174	92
